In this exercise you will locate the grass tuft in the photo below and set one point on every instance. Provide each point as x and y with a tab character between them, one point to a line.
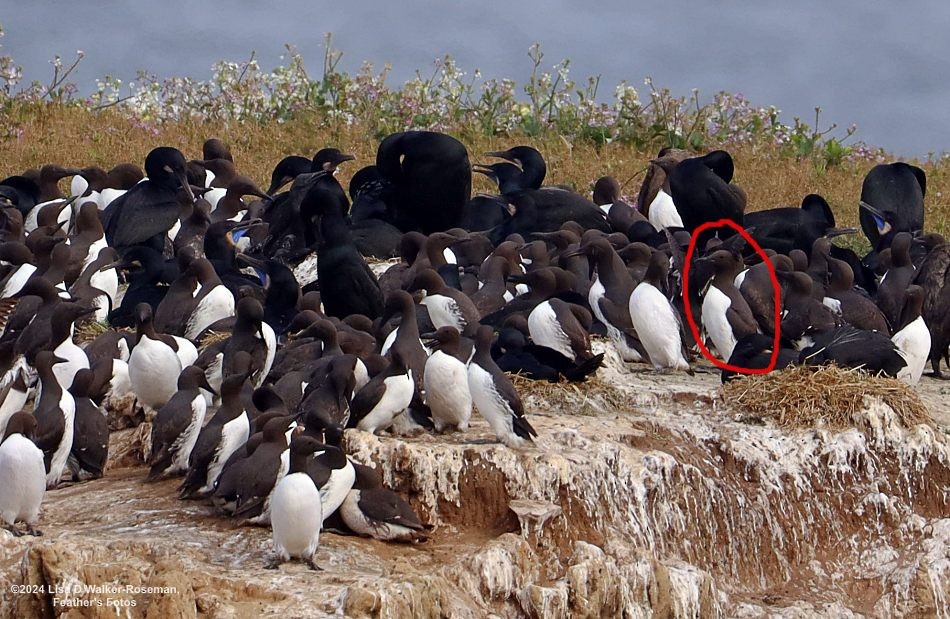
803	397
592	397
89	330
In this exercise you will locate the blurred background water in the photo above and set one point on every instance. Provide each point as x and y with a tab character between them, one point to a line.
883	66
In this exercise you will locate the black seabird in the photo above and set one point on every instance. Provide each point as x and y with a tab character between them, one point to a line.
347	285
145	213
55	413
430	178
934	277
803	314
784	229
754	351
892	200
609	297
703	191
513	353
147	284
852	348
286	170
248	478
893	286
726	316
853	304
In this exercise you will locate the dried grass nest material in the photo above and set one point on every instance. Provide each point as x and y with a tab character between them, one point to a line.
213	337
89	330
805	396
588	398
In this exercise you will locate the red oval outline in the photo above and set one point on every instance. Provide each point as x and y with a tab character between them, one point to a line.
776	290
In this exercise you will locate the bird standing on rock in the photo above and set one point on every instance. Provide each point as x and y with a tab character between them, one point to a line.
446	383
296	509
90	449
655	319
912	337
23	475
55	412
609	297
495	396
227	431
725	314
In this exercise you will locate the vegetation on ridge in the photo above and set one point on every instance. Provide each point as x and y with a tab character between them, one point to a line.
267	115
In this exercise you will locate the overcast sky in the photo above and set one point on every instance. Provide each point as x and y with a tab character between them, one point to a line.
884	66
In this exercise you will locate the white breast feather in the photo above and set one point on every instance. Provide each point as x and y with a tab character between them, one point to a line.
233	435
913	341
217	304
490	404
335	490
396	398
715	304
663	213
444	311
546	331
58	462
654	320
24	480
296	517
447	391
